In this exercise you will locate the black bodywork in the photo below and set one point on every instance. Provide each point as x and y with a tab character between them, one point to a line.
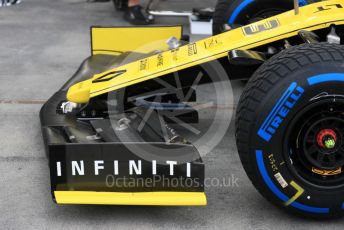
85	137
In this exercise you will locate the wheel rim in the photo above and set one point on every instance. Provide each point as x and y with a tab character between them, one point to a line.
314	143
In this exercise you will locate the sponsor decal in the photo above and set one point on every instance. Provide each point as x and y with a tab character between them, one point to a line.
192	49
328	7
160	60
281	180
109	76
77	168
280	111
212	42
260	27
144	65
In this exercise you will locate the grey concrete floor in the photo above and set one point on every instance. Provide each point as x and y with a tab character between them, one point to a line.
42	44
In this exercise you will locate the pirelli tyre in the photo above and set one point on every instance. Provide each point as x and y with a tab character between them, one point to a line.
290	130
230	13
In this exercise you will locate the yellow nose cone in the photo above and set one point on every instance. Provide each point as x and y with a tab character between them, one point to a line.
80	92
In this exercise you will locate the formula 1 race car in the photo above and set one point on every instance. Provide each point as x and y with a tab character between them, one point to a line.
114	132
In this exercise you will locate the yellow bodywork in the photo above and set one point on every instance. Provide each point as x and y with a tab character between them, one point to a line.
137	198
282	26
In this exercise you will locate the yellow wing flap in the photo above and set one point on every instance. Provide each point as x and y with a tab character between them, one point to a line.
127	198
117	40
311	17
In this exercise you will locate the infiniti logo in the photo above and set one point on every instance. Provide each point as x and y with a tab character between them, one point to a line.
133	167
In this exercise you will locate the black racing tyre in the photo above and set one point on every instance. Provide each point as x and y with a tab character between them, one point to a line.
120	4
243	12
290	130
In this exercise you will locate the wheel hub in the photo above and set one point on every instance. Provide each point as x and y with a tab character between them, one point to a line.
326	139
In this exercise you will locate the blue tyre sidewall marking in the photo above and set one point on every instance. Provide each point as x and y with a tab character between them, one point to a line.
266	132
278	193
328	77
